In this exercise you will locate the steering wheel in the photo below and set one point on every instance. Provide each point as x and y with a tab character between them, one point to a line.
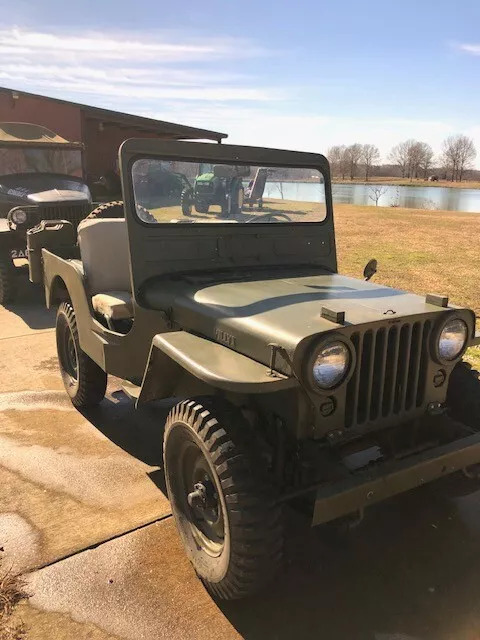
268	217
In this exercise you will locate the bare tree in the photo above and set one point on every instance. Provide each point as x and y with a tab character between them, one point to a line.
370	156
425	158
412	157
400	155
376	193
458	154
338	160
334	155
353	156
466	154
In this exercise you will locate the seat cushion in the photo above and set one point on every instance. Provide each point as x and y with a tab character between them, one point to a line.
116	305
105	254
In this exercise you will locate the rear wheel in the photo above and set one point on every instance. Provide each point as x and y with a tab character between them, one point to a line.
201	206
116	209
236	198
186	202
7	280
223	505
85	382
112	209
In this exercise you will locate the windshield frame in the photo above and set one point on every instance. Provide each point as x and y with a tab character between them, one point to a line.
164	249
221	154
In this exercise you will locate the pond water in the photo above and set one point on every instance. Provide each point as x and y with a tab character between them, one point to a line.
447	198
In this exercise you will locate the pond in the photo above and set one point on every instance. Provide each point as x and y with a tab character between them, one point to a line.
447	198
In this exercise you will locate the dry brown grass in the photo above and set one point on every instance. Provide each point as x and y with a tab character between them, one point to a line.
419	251
406	182
12	592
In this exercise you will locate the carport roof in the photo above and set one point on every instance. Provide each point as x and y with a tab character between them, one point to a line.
150	125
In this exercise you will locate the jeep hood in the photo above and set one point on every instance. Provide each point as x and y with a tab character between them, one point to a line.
252	313
57	195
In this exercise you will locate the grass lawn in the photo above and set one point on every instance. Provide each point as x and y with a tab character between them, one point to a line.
420	251
406	182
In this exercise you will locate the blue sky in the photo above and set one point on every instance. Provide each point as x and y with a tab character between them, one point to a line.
301	75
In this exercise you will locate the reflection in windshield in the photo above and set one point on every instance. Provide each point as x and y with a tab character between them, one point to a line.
37	160
175	192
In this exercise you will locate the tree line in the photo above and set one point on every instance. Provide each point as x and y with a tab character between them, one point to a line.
412	158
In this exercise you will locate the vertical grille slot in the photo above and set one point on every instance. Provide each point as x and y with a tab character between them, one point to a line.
422	378
378	374
367	361
391	370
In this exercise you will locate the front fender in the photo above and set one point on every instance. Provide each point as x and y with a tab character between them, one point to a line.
174	353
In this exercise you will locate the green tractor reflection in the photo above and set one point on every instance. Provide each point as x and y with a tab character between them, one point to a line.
219	185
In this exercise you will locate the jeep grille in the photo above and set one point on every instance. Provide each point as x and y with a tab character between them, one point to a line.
74	213
390	375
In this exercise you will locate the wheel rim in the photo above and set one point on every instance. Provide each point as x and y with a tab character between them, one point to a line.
68	354
196	494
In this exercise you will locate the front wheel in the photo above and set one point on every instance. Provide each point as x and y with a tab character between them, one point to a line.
7	280
186	202
84	381
463	395
222	503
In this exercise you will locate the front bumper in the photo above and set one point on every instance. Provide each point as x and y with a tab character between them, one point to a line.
387	479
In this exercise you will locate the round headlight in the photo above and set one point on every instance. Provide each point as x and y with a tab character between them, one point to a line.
19	216
331	365
452	339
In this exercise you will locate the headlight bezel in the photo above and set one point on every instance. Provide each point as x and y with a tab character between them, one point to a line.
19	211
452	317
319	346
12	223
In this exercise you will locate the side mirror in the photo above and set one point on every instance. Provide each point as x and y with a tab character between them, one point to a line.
370	269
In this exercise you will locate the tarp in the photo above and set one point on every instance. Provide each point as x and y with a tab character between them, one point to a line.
23	133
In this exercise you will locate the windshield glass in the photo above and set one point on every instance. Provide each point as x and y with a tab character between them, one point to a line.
20	160
171	191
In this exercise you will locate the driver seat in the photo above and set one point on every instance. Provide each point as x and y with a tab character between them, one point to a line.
105	256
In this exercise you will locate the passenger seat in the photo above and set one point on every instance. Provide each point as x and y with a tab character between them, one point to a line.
106	261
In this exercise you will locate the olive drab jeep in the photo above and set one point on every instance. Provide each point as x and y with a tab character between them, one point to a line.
290	382
40	179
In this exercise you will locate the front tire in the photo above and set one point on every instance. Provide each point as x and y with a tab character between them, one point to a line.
463	396
7	281
186	202
84	381
463	401
223	505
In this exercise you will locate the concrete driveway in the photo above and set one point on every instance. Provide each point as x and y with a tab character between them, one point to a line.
83	513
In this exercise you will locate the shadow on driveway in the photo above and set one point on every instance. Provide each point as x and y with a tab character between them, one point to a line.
29	303
410	571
